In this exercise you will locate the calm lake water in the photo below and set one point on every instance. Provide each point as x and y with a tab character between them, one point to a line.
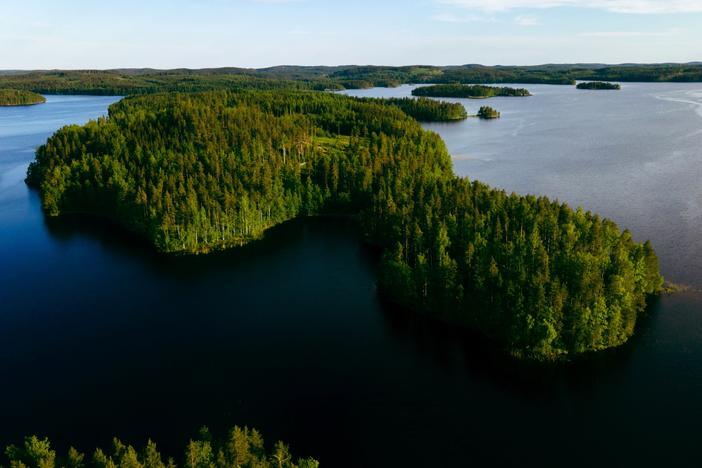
100	336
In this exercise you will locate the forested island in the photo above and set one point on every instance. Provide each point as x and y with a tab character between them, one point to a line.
487	112
599	85
17	97
120	82
199	172
468	91
241	448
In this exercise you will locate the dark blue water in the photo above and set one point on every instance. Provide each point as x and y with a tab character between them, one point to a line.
100	336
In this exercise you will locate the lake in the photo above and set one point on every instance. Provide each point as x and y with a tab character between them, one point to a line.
100	336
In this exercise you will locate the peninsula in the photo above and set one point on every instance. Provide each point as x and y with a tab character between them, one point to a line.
17	97
427	110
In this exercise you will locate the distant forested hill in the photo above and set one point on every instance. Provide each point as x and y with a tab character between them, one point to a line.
141	81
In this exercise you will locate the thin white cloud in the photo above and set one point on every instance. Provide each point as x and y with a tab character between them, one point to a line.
527	20
276	1
452	18
615	34
617	6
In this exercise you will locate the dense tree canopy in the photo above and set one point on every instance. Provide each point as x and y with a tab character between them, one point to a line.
197	172
241	448
468	91
16	97
598	85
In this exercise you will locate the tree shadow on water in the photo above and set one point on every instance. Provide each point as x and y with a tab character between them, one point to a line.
114	240
460	350
454	350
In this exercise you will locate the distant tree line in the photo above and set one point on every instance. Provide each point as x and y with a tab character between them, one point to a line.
198	172
457	90
121	83
599	85
142	81
241	448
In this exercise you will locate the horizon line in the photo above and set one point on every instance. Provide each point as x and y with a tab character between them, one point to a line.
571	64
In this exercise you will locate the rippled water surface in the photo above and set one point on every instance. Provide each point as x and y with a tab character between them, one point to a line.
101	336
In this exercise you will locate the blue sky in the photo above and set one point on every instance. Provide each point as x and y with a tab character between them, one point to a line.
258	33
